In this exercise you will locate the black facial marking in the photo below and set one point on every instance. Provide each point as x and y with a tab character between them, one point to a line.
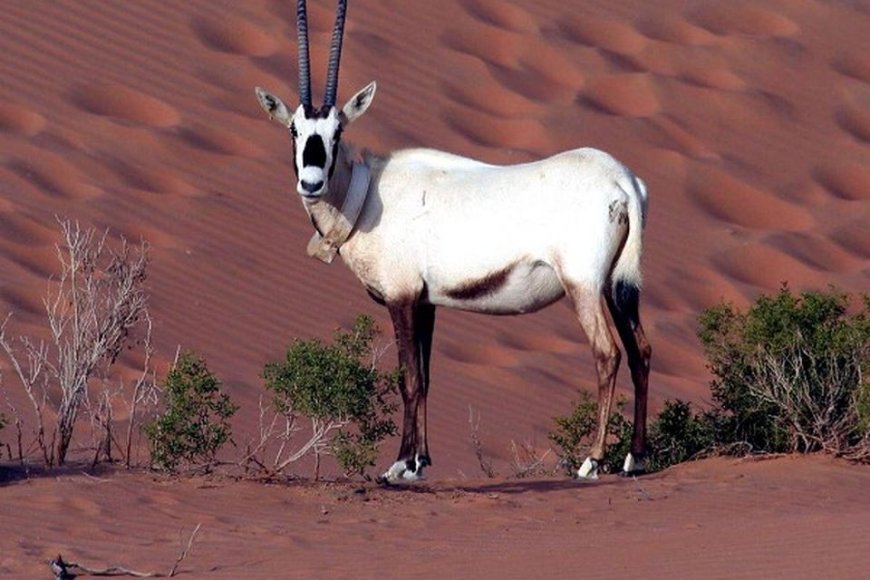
314	153
295	163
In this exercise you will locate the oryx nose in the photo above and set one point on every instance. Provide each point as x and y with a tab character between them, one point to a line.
312	186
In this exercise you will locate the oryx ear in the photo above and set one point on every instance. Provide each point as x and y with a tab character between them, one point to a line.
358	104
274	106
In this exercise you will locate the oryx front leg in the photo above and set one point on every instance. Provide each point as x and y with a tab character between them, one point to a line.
413	324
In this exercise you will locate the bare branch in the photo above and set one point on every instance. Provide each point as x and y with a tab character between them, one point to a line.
485	464
66	570
185	551
92	307
526	461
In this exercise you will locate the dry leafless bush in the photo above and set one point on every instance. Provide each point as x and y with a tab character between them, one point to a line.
791	372
276	446
529	462
92	308
814	391
526	461
483	461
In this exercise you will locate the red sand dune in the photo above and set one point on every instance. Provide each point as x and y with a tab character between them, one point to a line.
748	121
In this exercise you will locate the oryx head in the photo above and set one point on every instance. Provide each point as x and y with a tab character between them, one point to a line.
316	132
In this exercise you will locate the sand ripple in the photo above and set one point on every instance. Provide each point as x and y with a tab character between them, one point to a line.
124	103
20	121
726	198
235	36
846	181
744	18
627	95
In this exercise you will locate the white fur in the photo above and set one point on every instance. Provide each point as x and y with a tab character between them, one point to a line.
589	469
632	465
441	221
399	472
464	234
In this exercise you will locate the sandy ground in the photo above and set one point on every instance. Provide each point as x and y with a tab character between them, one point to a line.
749	121
778	518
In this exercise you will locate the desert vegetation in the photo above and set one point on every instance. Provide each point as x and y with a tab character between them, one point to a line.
789	375
94	310
195	423
339	388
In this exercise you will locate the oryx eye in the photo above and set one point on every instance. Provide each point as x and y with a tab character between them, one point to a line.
293	131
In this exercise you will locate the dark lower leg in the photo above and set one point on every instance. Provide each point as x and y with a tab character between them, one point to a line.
413	325
640	377
624	309
423	329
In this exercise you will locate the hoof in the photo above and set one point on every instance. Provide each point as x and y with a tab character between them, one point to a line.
633	466
405	471
589	469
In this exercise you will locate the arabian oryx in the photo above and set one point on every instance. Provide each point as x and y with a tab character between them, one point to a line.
422	229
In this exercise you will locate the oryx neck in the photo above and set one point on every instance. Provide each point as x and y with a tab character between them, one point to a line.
335	215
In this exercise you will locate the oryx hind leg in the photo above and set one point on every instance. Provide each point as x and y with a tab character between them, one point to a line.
623	302
589	307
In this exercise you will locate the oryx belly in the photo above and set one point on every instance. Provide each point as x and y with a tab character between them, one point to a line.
517	288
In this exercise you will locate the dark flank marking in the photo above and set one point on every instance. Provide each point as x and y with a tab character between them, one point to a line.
474	289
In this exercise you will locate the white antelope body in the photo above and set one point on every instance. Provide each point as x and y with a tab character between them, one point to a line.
433	229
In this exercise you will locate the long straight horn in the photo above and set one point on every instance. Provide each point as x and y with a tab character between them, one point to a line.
304	60
335	55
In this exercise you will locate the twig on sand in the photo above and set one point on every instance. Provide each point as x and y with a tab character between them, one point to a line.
67	570
183	554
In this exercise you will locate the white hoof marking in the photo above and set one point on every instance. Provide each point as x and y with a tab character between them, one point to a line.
589	469
632	465
399	472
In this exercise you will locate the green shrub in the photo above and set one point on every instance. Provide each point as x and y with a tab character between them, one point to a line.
575	434
340	387
195	424
678	434
790	373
